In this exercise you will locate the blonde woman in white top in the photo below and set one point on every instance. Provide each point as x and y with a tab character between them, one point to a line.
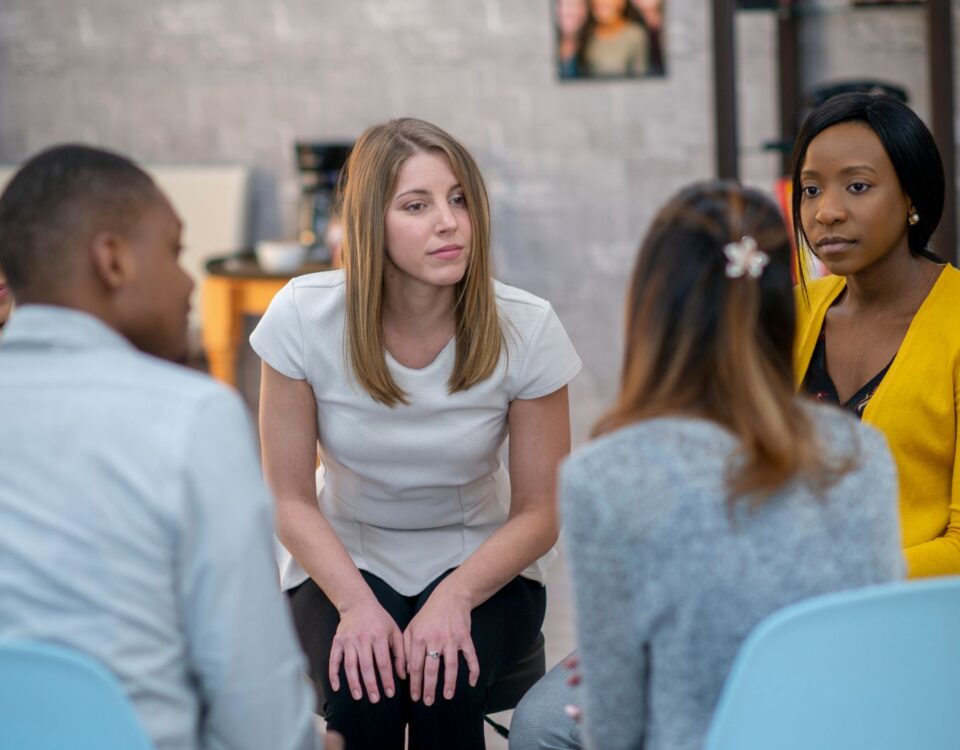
415	561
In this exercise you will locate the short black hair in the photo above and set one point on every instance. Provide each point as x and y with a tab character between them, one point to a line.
60	197
908	143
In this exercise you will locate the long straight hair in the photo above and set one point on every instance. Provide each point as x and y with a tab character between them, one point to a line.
703	344
367	184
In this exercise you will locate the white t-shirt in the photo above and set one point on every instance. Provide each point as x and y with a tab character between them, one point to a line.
411	490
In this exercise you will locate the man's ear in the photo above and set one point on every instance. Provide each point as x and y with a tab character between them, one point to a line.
113	260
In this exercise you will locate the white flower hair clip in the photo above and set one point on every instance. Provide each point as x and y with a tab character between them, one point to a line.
745	258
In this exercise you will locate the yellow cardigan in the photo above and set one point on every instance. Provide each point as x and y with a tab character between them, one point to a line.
917	408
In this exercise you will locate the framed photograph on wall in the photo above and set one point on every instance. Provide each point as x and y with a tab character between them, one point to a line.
609	39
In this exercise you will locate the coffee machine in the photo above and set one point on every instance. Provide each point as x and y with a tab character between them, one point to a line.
319	164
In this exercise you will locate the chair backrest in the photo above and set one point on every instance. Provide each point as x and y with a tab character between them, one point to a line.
213	202
874	668
53	698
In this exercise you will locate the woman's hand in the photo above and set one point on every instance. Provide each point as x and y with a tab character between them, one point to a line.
572	665
441	629
365	637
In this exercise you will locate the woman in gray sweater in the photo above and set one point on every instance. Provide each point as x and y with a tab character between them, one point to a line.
712	495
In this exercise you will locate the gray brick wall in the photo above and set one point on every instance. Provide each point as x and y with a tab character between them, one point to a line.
575	170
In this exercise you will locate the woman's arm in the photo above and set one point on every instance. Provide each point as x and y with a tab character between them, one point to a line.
539	439
941	556
366	634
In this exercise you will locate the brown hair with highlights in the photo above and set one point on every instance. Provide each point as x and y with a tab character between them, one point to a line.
702	344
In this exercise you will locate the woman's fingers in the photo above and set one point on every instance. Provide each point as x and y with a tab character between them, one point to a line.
431	667
423	666
368	673
473	664
450	665
381	655
353	676
572	663
415	656
361	649
333	671
399	653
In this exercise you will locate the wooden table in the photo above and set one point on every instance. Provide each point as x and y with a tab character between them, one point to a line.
234	287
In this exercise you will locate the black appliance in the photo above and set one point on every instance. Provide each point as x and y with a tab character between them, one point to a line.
319	164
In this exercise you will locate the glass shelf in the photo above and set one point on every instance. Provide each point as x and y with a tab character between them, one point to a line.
803	9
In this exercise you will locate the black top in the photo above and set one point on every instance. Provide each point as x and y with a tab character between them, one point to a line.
818	383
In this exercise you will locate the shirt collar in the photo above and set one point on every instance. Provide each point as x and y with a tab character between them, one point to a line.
59	327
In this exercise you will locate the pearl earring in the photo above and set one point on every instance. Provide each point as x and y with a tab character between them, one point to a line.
914	217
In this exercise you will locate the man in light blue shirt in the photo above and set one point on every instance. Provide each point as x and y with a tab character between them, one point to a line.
134	524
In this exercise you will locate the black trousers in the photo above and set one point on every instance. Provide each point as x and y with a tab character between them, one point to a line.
503	629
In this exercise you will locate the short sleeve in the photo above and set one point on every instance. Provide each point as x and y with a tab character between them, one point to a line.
550	361
278	337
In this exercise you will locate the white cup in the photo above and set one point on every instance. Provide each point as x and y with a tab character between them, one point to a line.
280	256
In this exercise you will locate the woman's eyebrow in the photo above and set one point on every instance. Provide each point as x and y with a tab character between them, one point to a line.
858	168
423	191
413	191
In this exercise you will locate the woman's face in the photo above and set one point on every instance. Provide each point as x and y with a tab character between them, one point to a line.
427	223
852	207
6	299
608	11
571	15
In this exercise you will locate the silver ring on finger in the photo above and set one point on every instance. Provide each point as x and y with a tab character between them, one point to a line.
433	654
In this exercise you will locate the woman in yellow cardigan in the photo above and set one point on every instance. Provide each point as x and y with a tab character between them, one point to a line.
881	337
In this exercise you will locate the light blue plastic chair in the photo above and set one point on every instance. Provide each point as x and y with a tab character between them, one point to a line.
875	668
54	698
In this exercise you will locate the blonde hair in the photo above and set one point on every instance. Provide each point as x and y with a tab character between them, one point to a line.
703	344
367	183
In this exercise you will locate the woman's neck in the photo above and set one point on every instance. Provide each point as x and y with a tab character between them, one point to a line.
419	310
899	283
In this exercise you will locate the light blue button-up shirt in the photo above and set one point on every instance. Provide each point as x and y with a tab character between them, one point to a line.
135	526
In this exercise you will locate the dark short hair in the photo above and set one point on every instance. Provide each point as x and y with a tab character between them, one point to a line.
61	197
907	141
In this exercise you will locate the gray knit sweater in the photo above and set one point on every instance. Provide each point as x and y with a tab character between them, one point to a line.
667	587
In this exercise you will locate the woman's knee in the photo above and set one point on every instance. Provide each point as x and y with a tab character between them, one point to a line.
540	722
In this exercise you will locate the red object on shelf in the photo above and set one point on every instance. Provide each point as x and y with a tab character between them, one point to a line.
812	267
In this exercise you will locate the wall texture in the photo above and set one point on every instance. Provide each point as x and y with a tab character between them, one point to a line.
575	170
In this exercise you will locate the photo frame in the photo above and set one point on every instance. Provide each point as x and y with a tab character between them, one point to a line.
865	3
609	39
